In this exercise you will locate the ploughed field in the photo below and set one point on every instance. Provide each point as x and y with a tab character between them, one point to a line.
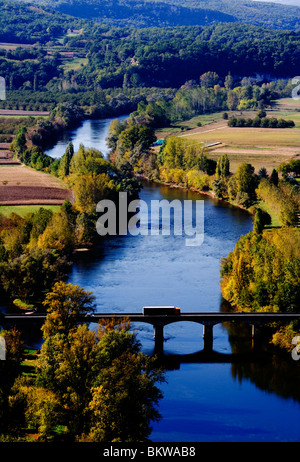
6	157
21	185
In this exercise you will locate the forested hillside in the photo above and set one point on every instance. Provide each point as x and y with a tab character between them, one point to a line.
28	24
145	13
111	57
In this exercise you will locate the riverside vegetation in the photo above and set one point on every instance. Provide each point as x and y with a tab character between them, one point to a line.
84	385
80	386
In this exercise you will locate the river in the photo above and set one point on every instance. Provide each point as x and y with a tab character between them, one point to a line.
203	402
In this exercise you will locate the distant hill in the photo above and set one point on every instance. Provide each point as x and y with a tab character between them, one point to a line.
161	13
283	2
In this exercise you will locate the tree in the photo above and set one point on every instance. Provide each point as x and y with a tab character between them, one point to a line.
40	221
262	273
65	161
261	219
59	234
223	166
262	173
137	135
19	143
209	79
228	82
124	402
274	177
43	411
261	114
246	182
66	307
219	188
28	275
105	385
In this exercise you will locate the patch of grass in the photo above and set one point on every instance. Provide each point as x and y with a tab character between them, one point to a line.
16	116
28	365
74	64
204	119
179	128
250	137
275	222
22	210
22	305
257	160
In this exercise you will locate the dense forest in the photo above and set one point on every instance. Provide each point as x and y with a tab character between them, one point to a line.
170	57
134	58
164	13
27	24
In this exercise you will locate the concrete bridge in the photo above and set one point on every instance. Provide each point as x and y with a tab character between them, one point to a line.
159	321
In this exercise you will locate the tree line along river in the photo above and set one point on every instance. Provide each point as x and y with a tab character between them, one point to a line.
251	400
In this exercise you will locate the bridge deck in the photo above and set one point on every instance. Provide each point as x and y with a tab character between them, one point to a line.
209	318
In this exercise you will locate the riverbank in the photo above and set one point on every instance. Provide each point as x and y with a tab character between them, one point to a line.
208	193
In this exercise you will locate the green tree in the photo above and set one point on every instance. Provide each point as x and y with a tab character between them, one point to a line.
19	143
65	161
124	403
246	181
274	177
66	307
28	275
261	219
223	166
107	388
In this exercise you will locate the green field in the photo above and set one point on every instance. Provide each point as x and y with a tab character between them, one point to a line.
251	137
180	127
22	210
74	64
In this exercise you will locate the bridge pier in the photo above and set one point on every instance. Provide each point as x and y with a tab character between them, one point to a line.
159	336
256	333
207	337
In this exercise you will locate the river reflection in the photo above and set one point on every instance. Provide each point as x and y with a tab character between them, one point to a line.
91	133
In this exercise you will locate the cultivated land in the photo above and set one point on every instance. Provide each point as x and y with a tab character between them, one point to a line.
21	185
22	210
261	147
20	113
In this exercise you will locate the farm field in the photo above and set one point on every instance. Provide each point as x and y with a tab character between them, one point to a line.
259	146
21	185
22	210
20	113
74	64
262	147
